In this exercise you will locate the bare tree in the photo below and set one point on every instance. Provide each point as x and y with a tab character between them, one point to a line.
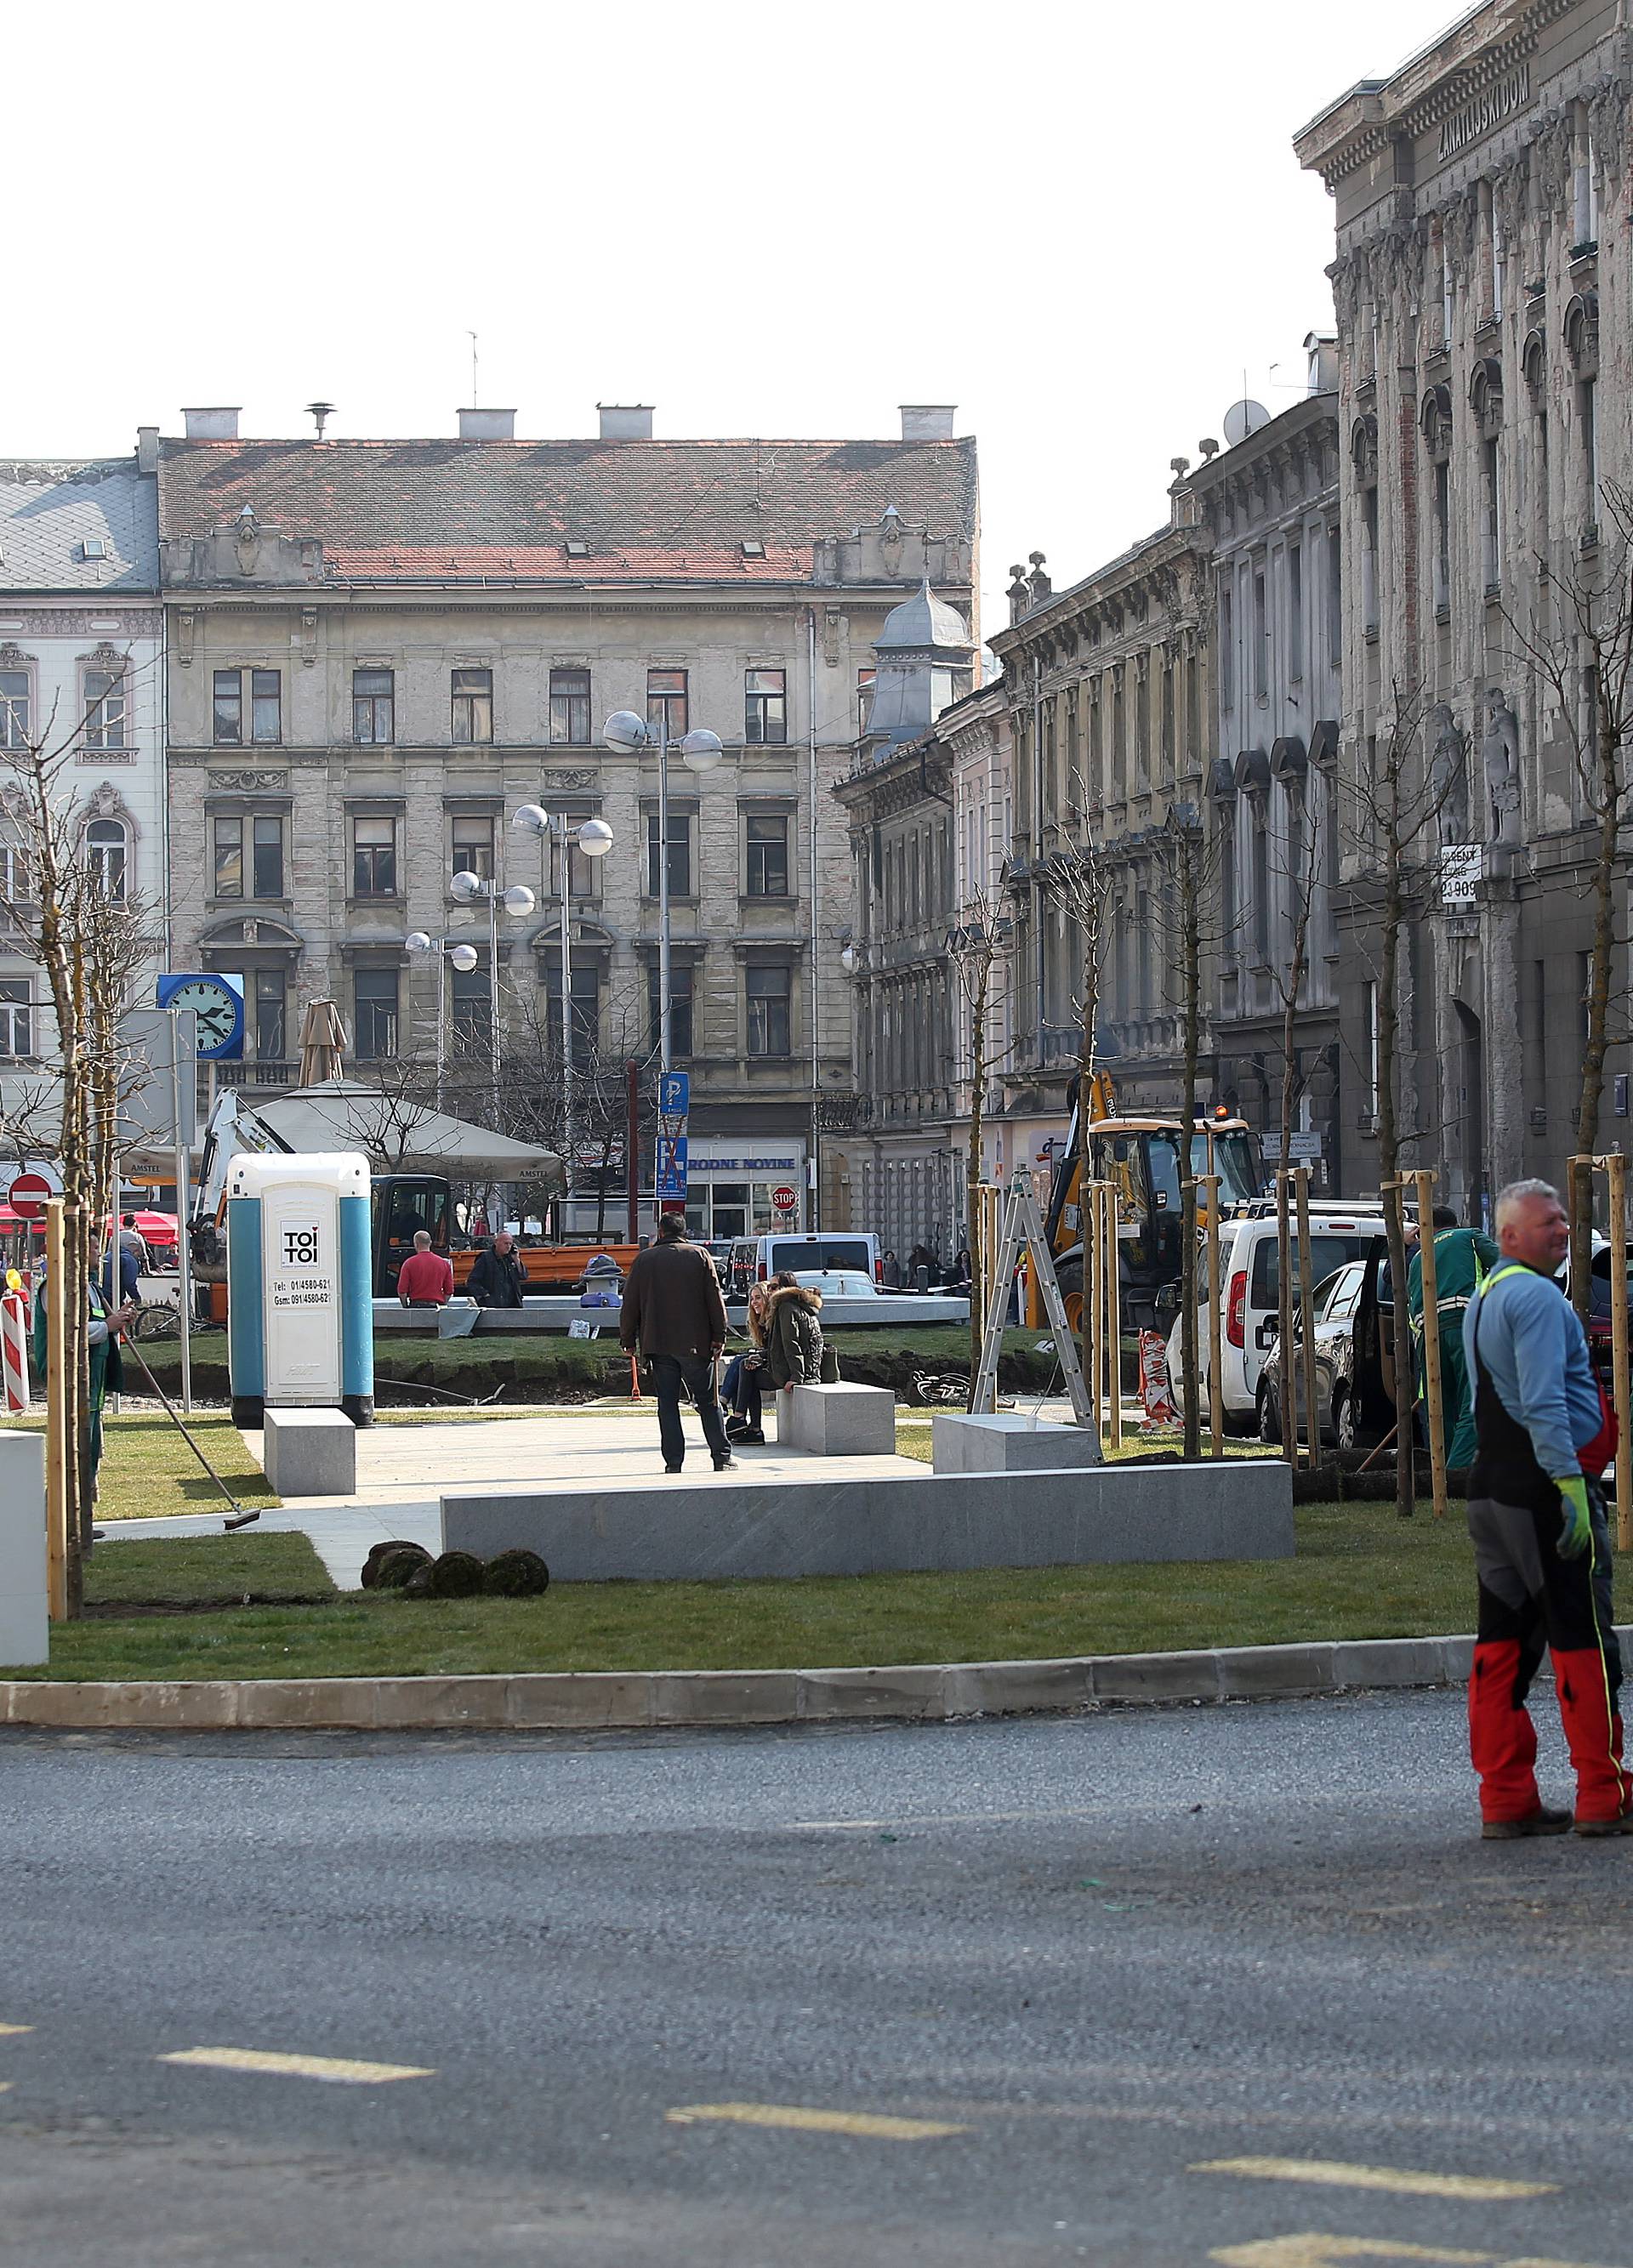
1289	971
1578	643
1079	882
975	946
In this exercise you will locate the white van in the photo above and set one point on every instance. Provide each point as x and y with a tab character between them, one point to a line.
850	1250
1250	1292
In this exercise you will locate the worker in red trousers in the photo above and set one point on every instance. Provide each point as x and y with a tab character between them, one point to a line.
1536	1514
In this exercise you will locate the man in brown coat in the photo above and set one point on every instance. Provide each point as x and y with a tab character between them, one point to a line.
674	1314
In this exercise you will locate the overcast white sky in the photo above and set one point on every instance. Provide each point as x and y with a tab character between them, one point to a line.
1082	222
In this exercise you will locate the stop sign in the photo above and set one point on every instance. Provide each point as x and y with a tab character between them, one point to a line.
27	1194
784	1198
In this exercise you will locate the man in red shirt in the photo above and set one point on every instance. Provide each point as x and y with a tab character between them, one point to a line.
425	1280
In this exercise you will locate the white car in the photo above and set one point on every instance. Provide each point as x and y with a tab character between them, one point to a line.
1250	1292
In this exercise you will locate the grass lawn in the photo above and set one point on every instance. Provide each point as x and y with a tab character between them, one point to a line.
149	1473
1359	1574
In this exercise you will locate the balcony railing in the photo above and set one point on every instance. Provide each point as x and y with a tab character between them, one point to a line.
257	1072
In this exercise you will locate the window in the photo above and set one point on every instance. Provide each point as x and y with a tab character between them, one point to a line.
374	994
570	708
1442	514
1261	882
1261	638
16	884
1369	558
473	708
680	1006
269	1002
1491	507
108	852
583	872
471	1000
666	702
373	858
13	707
471	851
1584	187
586	1013
864	698
105	708
1334	598
229	708
1227	648
680	855
768	857
767	990
266	847
266	707
1587	416
373	708
1294	611
765	707
17	1032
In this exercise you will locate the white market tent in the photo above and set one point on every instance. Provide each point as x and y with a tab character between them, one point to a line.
401	1135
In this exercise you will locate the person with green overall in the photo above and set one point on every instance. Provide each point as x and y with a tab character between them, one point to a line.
1463	1260
103	1324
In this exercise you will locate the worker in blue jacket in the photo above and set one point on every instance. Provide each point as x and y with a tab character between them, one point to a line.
1536	1514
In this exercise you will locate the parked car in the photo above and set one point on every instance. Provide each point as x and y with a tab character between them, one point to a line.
1250	1290
847	1249
1332	1306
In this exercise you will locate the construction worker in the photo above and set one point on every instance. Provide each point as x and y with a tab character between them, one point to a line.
1536	1514
1463	1260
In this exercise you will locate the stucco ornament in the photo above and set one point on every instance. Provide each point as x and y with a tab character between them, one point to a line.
1448	778
1499	757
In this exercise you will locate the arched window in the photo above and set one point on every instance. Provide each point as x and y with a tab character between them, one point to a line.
107	847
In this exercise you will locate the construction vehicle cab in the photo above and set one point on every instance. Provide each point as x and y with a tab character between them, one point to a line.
1145	1160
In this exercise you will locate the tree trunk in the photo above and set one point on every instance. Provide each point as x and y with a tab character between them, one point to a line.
1579	1197
981	1260
1389	1149
1190	930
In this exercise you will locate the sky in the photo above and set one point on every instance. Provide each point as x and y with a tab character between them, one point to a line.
1082	224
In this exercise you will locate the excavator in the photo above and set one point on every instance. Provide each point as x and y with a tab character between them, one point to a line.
1143	1158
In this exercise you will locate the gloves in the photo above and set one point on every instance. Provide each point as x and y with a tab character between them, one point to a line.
1575	1532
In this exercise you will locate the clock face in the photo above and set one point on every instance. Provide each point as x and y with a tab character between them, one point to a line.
215	1010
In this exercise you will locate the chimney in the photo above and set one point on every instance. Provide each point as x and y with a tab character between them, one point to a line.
147	448
626	420
1321	350
927	421
211	424
487	424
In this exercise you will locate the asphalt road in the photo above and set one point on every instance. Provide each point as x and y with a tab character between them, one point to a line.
1109	1954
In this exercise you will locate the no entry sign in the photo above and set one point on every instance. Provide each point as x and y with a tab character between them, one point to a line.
27	1194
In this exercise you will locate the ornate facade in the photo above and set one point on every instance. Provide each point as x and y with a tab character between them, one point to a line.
1485	332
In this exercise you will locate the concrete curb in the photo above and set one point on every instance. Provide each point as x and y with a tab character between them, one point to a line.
640	1699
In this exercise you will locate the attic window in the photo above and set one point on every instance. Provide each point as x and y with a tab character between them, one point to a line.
93	547
751	549
577	549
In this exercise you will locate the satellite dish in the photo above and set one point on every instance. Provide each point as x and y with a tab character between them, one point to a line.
1243	418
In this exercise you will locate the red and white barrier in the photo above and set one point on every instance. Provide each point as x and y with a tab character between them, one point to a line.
14	1350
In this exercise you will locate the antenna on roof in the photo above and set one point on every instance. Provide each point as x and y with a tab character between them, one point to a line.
471	335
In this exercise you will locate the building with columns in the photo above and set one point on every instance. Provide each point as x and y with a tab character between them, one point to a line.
379	648
1485	327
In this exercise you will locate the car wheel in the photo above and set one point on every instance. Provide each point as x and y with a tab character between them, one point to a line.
1070	1278
1344	1420
1269	1419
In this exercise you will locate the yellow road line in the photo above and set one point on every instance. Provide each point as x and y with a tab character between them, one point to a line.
11	2031
866	2123
1331	2173
338	2070
1316	2249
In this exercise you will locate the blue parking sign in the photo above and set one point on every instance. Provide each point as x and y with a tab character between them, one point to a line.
671	1162
674	1093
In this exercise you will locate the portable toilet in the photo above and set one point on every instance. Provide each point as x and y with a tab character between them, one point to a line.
300	1292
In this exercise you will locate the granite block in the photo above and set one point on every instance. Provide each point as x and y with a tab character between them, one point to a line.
1008	1442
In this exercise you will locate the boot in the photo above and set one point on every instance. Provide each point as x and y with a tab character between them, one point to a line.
1593	1735
1502	1739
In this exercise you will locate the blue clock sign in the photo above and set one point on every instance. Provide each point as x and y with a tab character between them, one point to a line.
218	1006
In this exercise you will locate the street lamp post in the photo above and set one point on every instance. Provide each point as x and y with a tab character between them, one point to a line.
700	751
594	839
518	903
462	957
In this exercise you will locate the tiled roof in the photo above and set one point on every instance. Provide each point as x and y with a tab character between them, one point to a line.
622	497
550	563
49	512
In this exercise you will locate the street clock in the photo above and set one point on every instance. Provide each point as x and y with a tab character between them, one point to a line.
218	1006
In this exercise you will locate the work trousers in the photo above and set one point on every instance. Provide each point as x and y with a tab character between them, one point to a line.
1532	1599
696	1373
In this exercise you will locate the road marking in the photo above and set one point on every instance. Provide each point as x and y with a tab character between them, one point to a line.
1317	2251
1331	2173
11	2031
338	2070
866	2123
940	1819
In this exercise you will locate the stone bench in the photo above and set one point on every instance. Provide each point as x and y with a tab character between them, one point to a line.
733	1524
310	1452
837	1421
1006	1442
25	1630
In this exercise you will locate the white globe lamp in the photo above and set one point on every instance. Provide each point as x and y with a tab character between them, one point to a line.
417	941
463	957
532	818
625	731
466	886
701	750
595	838
519	901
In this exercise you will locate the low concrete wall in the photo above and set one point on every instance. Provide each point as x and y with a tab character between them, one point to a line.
25	1632
1238	1509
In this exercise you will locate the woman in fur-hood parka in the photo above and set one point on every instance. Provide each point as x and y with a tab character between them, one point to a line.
794	1341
